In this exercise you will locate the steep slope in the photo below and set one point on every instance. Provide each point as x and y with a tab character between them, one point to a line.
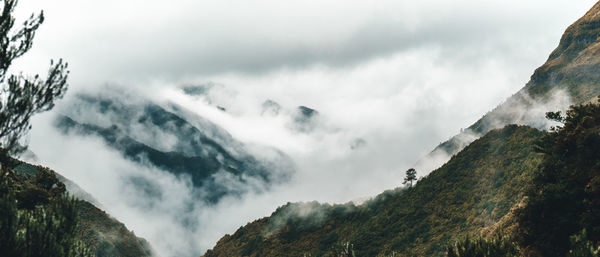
571	75
100	233
108	236
470	193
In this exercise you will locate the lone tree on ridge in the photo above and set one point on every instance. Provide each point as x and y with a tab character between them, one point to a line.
411	175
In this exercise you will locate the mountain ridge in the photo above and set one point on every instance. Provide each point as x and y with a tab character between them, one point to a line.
198	149
419	220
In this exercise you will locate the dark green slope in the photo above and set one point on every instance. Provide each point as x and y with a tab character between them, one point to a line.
38	188
469	194
108	236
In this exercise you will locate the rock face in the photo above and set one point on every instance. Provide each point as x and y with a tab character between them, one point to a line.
571	75
305	119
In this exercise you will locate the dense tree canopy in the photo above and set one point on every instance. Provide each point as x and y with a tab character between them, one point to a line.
564	198
37	217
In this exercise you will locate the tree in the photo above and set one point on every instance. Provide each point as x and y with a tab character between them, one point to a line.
499	246
33	226
411	175
563	197
22	96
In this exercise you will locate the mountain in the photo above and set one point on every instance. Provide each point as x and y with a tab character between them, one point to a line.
569	76
469	194
173	139
40	188
527	187
516	191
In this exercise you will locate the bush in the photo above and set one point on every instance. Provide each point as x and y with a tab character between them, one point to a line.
564	197
38	228
499	246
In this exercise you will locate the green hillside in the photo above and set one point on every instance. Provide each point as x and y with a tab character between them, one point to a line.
468	195
516	191
36	192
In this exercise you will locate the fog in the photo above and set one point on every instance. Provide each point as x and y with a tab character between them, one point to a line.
389	79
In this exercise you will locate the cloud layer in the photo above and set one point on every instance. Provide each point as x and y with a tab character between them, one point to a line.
112	40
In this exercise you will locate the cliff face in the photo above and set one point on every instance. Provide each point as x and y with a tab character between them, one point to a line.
571	75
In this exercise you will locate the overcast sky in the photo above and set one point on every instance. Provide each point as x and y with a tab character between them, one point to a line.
141	39
402	75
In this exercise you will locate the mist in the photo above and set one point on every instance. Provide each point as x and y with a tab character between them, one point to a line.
389	80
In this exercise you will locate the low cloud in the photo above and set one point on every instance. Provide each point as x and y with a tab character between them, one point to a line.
404	114
399	119
521	109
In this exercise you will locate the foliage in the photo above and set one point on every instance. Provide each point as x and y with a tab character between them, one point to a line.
481	183
22	96
107	236
581	246
36	187
474	190
550	180
37	224
411	175
564	197
499	246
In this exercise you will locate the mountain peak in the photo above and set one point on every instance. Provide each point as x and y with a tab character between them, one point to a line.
569	76
573	64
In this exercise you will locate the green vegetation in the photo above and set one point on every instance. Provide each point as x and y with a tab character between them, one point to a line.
35	208
22	96
411	175
107	236
564	197
100	233
572	68
561	214
499	246
582	246
513	186
37	218
514	192
472	193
